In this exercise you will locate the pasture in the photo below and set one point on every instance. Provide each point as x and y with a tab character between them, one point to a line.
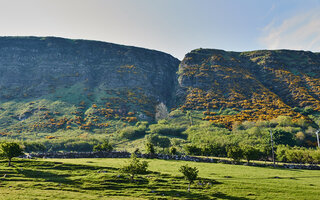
99	178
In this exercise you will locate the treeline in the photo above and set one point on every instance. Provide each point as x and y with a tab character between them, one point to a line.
283	153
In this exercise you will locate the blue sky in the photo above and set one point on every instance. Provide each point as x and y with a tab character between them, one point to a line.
172	26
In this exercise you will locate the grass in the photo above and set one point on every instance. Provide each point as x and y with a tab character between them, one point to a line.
101	179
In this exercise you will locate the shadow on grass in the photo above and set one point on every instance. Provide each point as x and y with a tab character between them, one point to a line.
192	195
224	196
47	176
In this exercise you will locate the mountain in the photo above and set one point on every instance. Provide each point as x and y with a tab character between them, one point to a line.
53	83
72	87
256	85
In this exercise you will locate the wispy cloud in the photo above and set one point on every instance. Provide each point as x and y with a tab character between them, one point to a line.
298	32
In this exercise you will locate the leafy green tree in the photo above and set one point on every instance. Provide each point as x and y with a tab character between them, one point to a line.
189	173
281	153
250	153
105	146
10	150
135	167
235	152
283	137
150	148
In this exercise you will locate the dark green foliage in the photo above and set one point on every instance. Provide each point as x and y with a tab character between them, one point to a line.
34	147
133	132
308	110
105	146
150	148
281	153
283	137
235	152
160	141
297	155
75	144
250	152
173	150
135	167
192	150
10	150
168	130
189	173
215	149
164	142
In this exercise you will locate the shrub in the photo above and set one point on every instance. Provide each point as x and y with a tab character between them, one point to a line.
105	146
190	173
135	167
160	141
150	148
168	130
132	132
173	150
34	147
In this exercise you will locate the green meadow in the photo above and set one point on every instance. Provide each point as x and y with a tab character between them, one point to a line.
100	179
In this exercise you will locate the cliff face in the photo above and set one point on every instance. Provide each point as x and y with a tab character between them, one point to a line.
65	73
51	84
256	85
33	67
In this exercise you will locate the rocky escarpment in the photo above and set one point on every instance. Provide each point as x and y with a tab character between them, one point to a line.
67	81
33	67
53	84
258	85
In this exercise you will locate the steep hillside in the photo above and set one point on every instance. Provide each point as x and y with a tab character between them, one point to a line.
257	85
48	84
76	87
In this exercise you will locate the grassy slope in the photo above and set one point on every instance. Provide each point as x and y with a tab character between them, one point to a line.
78	179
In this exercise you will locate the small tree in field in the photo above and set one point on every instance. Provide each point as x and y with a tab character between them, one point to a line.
135	167
189	173
10	150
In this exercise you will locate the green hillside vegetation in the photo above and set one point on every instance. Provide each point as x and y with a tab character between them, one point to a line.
71	95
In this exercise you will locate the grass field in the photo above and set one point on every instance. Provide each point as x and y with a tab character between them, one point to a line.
101	179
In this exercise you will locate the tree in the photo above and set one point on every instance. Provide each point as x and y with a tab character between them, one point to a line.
283	137
135	167
189	173
150	148
10	150
250	152
235	153
161	112
105	146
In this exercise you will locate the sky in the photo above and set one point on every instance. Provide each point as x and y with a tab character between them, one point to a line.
172	26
